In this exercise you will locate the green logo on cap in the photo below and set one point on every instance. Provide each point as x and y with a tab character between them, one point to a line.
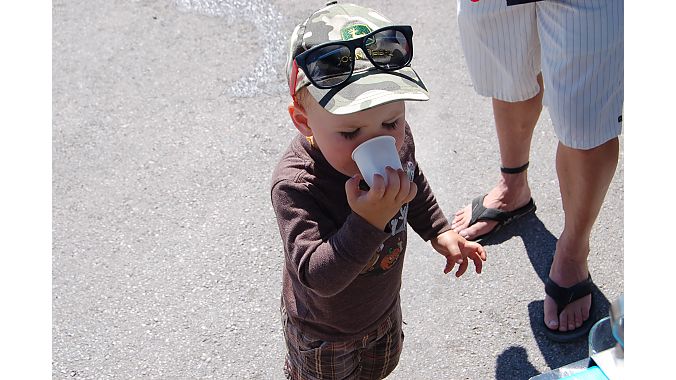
354	31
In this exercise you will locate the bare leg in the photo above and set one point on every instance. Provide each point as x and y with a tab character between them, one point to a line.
584	178
514	123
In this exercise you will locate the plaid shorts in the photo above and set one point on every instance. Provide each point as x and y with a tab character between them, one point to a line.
372	356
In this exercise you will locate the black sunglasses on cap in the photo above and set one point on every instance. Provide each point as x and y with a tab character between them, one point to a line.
332	63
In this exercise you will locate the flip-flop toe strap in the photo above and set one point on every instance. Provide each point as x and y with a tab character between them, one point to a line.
564	296
495	215
477	209
480	212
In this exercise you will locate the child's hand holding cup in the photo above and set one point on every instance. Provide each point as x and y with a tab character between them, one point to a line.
380	204
374	155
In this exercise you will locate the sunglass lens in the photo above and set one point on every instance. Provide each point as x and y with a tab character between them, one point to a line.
330	65
389	49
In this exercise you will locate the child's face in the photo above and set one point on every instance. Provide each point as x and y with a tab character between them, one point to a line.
338	135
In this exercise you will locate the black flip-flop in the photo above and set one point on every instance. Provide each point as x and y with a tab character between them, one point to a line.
479	212
564	296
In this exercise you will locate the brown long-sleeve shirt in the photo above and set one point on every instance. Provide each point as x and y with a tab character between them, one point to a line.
342	275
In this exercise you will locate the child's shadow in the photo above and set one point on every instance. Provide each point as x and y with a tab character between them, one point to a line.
540	245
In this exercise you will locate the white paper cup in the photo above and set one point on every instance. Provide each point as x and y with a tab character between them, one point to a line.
374	155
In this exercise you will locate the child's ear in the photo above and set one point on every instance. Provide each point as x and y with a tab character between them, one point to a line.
299	118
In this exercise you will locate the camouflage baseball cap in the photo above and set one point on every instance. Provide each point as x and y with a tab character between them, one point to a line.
368	86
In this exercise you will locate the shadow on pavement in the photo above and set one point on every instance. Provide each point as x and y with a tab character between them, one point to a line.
513	364
540	246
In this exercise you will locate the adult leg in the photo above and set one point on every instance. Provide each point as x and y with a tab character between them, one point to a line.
584	178
502	50
514	123
582	64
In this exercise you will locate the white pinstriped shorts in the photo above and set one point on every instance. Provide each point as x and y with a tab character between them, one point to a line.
578	45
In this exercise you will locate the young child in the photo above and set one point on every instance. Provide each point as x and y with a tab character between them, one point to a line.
349	74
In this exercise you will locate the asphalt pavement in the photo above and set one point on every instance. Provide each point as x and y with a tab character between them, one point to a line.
168	117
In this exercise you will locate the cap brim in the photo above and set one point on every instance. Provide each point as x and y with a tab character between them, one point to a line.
370	88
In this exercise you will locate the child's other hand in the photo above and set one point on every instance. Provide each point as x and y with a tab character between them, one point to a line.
381	203
458	250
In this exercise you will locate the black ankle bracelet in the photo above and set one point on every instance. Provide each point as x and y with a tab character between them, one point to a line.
515	170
